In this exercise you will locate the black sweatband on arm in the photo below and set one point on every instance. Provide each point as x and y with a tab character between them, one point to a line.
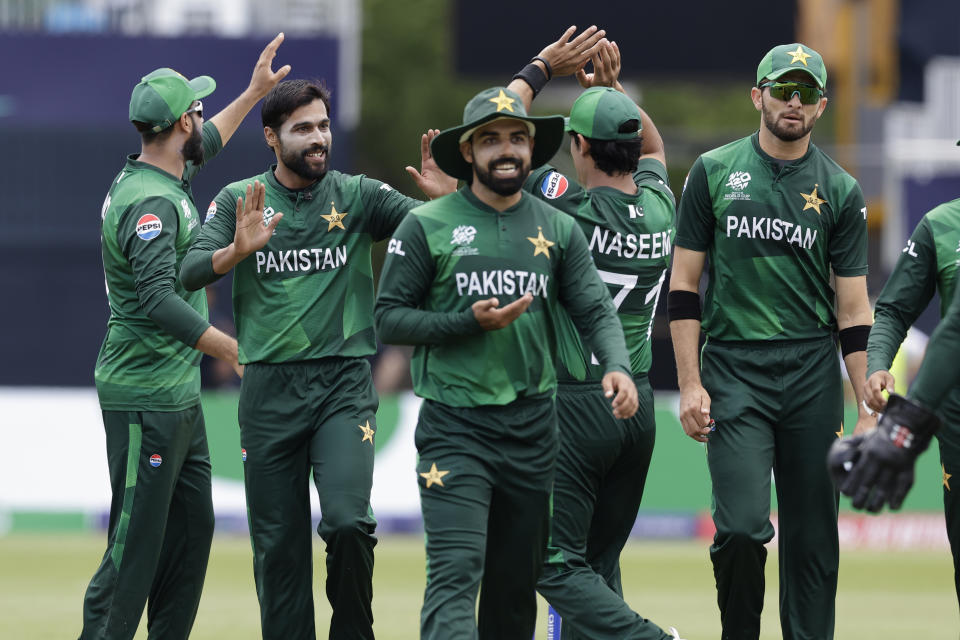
854	339
683	305
545	64
533	76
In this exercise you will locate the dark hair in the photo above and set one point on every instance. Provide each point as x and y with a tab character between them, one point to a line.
148	135
615	157
290	95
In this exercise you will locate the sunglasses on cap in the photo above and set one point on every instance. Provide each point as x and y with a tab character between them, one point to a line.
197	108
807	93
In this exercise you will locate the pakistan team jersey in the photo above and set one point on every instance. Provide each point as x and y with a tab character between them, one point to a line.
771	235
928	263
456	250
309	292
629	237
149	220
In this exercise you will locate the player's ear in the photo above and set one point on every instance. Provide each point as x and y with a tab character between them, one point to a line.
270	136
466	150
756	97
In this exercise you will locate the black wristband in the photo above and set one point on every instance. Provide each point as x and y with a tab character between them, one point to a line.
683	305
854	339
533	76
545	64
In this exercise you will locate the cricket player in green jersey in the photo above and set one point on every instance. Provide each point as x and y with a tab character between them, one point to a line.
775	216
927	264
478	281
147	373
622	202
298	238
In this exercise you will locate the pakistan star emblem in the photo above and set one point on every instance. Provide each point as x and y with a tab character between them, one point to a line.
799	56
434	475
503	101
367	432
813	201
541	244
946	477
335	218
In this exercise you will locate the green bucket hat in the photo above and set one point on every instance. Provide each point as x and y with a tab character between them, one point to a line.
603	113
164	95
488	105
791	57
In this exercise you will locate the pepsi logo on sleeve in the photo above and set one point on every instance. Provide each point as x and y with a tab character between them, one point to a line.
149	226
554	185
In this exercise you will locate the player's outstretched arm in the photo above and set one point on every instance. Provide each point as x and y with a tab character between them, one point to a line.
263	79
562	57
216	343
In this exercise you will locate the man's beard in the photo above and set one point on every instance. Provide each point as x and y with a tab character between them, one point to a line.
296	161
781	130
502	186
193	148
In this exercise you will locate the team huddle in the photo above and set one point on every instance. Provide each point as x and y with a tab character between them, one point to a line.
529	296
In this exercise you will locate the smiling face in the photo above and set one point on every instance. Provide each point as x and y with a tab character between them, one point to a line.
791	120
500	153
302	144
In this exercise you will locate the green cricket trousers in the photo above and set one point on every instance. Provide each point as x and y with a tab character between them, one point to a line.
949	440
601	471
161	526
778	406
484	475
298	417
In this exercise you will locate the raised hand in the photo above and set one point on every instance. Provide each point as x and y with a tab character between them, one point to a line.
264	77
491	316
251	233
606	67
567	56
431	179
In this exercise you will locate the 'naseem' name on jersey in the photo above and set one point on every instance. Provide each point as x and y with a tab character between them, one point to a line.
301	260
642	246
771	229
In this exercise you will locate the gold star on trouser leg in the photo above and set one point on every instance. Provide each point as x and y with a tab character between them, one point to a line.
434	476
946	477
367	432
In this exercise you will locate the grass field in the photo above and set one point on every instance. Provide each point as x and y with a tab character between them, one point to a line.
882	595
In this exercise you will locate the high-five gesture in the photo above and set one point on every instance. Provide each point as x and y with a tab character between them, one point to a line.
264	77
251	233
567	56
431	180
606	67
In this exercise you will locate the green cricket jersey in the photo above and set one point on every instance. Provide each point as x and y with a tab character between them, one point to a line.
147	361
309	292
456	250
629	237
771	235
927	263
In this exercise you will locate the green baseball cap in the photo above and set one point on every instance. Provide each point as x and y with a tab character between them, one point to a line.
492	104
164	95
603	113
792	57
